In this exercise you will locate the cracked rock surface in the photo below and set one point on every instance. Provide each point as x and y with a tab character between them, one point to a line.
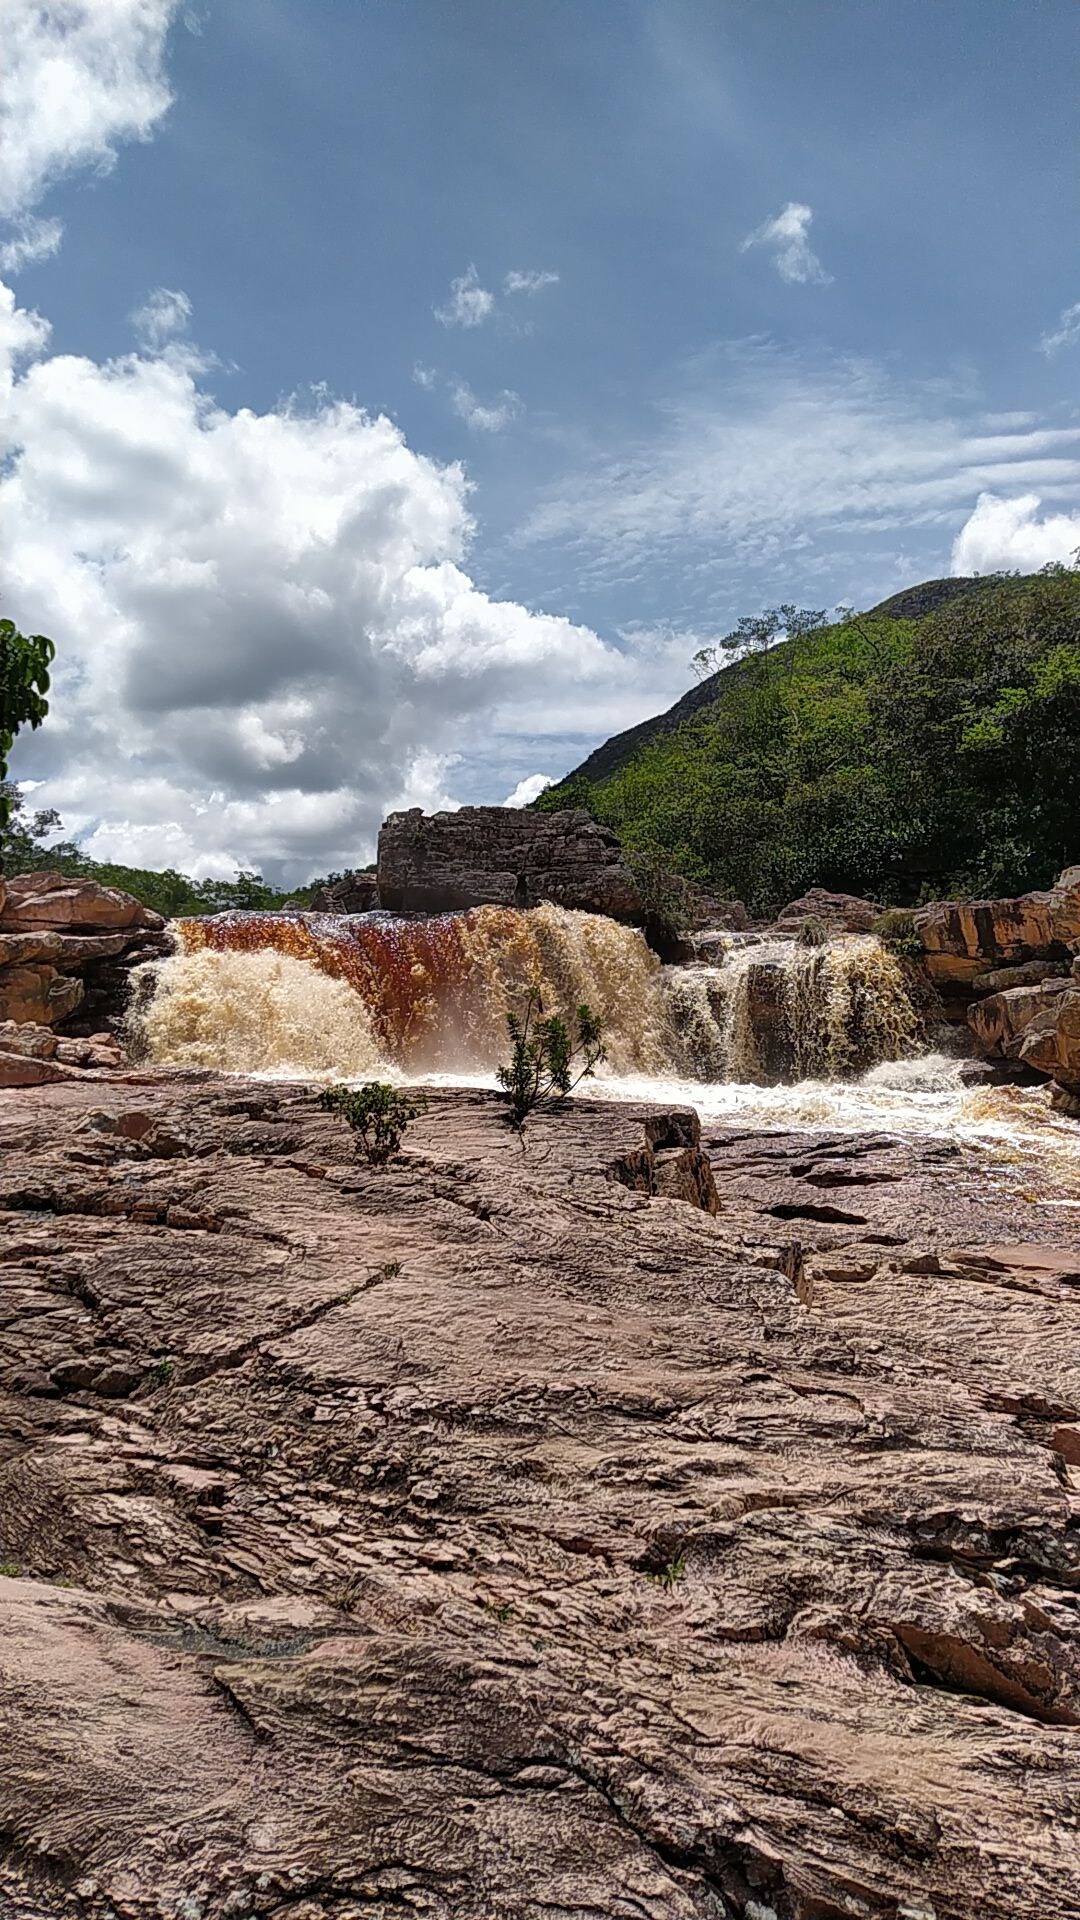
530	1534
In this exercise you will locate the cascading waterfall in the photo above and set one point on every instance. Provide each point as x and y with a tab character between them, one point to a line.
315	994
421	995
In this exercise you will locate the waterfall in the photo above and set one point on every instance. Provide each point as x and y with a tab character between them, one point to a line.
317	994
253	991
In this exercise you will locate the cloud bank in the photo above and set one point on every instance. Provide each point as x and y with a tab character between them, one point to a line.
267	633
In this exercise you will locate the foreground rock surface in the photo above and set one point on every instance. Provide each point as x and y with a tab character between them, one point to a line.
511	1535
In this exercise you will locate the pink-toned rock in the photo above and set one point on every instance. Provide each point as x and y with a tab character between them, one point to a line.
38	993
22	1070
32	1041
1052	1043
53	901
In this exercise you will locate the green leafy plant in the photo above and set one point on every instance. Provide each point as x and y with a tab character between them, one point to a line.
162	1371
25	660
669	1575
378	1115
549	1058
895	928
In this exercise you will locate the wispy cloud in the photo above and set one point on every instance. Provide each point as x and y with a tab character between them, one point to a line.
469	304
31	241
787	238
1065	334
479	417
765	453
529	280
425	377
165	314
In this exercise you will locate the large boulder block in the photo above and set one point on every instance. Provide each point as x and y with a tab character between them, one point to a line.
42	901
964	939
503	856
839	912
38	993
1001	1021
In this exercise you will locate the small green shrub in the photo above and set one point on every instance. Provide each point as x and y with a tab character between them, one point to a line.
813	932
378	1115
669	1575
895	928
549	1058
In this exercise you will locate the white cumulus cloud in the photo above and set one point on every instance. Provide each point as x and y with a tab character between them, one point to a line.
528	790
267	632
787	237
1003	534
469	304
77	78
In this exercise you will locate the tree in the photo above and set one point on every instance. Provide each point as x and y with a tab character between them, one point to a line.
546	1052
25	660
755	633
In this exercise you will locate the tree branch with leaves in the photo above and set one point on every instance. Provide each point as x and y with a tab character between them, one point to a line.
25	660
549	1058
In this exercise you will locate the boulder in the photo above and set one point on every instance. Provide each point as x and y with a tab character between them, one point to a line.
353	893
22	1070
28	1039
1000	1022
68	951
39	993
963	940
503	856
1052	1043
841	912
37	901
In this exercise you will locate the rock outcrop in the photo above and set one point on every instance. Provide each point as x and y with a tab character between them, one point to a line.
503	856
965	941
66	946
491	1537
356	892
838	912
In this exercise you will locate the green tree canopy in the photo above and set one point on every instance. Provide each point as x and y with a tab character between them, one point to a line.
25	660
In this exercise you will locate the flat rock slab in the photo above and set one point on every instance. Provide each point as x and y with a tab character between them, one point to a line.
510	1534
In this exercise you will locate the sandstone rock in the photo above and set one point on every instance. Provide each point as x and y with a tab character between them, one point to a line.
37	993
29	1039
43	901
67	951
488	1537
27	1070
1000	1021
503	856
1031	973
842	912
356	892
1000	933
1052	1043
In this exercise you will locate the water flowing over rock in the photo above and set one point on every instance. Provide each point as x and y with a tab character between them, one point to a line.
433	996
503	856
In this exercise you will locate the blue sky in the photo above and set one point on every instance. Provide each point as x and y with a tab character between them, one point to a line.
492	357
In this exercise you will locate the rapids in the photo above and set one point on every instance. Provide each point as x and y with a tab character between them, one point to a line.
776	1037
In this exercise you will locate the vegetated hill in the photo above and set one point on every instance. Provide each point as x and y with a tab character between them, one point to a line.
928	747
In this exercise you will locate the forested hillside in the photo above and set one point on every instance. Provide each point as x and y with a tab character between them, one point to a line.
904	757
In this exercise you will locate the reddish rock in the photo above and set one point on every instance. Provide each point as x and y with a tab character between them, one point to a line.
37	993
503	856
487	1536
56	901
964	939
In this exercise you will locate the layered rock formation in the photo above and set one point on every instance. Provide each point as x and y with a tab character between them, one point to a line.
503	856
499	1537
837	912
967	943
66	946
355	892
